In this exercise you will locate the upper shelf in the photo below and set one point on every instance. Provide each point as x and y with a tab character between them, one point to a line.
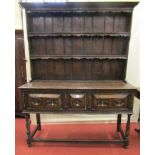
78	57
79	12
124	34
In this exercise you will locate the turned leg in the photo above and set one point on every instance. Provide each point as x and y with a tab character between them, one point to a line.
38	121
127	132
28	131
138	128
119	116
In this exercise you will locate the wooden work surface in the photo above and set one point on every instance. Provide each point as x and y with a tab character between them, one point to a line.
75	84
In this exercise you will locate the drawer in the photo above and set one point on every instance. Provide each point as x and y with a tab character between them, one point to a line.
45	101
77	101
113	101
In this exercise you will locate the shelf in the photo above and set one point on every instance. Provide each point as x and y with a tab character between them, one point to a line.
79	12
78	57
125	34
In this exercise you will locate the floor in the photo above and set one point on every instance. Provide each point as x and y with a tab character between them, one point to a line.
84	131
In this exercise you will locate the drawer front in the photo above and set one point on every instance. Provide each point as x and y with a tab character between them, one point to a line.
76	101
45	101
110	101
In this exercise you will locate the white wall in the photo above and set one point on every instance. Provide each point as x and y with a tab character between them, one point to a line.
132	76
18	15
133	65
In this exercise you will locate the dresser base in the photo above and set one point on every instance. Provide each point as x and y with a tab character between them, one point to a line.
124	140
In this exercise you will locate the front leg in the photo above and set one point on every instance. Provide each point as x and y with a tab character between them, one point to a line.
119	117
38	121
127	132
28	131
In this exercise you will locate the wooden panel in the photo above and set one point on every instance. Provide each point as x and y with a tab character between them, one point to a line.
122	23
117	69
68	70
88	24
30	23
120	46
106	69
109	23
39	69
78	46
44	101
59	70
88	45
68	46
38	24
97	69
98	45
98	24
57	24
77	24
58	46
77	102
49	46
77	70
67	24
48	24
37	46
88	69
109	101
50	69
125	46
108	46
54	69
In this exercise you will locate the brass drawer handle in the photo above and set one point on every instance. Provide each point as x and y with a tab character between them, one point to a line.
103	103
119	103
77	104
35	103
51	102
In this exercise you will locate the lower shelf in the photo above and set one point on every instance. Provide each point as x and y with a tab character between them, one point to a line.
77	141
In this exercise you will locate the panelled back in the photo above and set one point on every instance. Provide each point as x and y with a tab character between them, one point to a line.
78	45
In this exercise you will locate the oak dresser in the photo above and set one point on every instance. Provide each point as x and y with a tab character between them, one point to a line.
78	55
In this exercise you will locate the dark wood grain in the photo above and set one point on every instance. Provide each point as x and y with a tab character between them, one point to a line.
79	36
83	5
78	84
78	54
